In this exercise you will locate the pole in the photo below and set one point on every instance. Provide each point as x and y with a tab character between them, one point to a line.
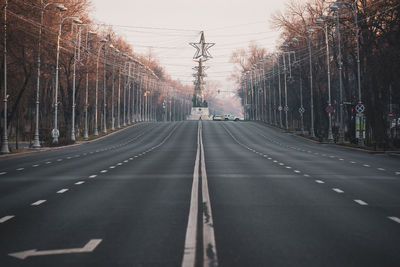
280	94
312	132
119	98
74	87
55	132
112	93
361	137
330	136
286	102
96	131
4	141
341	129
104	93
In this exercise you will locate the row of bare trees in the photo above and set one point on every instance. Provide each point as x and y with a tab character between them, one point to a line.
276	85
93	60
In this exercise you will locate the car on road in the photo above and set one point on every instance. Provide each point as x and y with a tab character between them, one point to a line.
239	118
217	118
229	117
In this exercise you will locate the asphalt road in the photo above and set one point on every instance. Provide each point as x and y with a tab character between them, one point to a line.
200	194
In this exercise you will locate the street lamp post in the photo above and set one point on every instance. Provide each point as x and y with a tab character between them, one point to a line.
354	6
86	128
55	132
105	91
286	95
36	139
312	132
77	23
96	130
116	52
325	29
4	139
335	8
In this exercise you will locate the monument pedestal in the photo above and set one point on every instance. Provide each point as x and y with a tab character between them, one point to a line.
199	112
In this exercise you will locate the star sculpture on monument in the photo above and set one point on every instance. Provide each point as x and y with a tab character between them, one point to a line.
202	49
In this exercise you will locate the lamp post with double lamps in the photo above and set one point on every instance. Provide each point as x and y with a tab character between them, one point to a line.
312	131
116	53
86	128
36	138
77	23
336	7
96	130
55	132
329	108
4	138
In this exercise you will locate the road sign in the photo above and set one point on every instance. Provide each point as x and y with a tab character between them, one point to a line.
280	108
286	108
329	109
360	108
302	110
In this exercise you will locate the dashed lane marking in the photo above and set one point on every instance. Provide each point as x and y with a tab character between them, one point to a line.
396	219
366	165
337	190
380	169
20	169
2	173
6	218
93	176
35	165
37	203
80	182
104	171
319	181
359	201
62	191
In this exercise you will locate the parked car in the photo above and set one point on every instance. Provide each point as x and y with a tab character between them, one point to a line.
229	117
218	118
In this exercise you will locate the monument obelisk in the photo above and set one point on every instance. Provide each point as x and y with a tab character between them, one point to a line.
200	105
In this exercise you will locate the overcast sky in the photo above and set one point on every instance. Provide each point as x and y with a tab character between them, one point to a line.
169	25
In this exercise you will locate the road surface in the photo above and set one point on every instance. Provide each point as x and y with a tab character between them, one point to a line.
200	194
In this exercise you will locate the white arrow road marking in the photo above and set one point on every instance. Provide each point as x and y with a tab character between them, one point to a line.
89	247
6	218
37	203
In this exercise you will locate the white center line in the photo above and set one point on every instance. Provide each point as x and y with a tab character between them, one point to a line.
296	171
306	175
68	157
353	162
112	167
59	160
366	165
48	162
125	161
337	190
80	182
62	191
103	171
341	159
281	164
2	173
20	169
37	203
396	219
6	218
381	169
130	158
288	167
362	203
319	181
93	176
119	164
35	165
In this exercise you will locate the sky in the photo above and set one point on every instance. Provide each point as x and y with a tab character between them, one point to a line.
168	26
